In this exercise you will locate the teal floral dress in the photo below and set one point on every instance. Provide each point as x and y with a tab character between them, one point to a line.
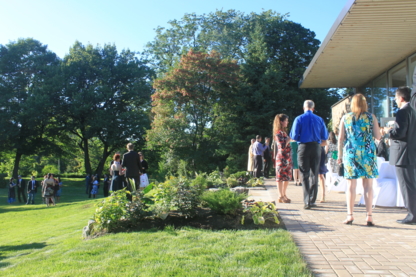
359	156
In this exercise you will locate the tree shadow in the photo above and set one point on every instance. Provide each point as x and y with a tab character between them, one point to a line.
13	248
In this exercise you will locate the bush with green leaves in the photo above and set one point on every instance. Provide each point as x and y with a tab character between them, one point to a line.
259	212
223	201
232	182
215	179
111	210
200	183
175	194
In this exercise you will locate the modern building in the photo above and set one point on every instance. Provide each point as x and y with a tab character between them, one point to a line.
371	47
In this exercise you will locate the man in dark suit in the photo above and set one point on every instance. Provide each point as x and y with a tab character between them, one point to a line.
267	160
131	161
32	188
403	152
21	189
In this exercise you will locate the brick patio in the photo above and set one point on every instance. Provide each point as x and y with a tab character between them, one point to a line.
331	248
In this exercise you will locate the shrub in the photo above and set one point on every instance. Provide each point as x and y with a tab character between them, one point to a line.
260	210
110	211
232	182
215	179
200	183
175	194
223	201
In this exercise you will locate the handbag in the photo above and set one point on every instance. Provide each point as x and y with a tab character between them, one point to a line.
341	170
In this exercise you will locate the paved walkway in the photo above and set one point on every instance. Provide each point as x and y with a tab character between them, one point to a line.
333	249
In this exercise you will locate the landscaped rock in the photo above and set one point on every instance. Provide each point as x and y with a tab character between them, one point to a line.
86	231
213	189
240	190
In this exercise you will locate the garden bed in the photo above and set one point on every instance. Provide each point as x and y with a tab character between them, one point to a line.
205	219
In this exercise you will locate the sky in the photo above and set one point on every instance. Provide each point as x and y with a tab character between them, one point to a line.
131	24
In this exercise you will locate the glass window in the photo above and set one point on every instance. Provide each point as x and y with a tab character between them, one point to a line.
380	102
367	91
411	80
397	78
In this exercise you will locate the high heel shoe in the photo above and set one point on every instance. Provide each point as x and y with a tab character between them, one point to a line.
322	200
349	222
287	199
370	223
281	199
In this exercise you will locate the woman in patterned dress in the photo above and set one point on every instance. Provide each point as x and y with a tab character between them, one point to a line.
282	156
357	150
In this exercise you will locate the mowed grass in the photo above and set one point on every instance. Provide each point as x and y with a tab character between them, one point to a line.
40	241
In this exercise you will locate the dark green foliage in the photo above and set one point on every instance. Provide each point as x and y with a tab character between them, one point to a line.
30	86
272	51
223	201
106	98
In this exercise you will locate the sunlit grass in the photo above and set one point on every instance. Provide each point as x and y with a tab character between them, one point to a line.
40	241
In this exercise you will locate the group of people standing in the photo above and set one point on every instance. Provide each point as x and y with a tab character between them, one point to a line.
133	168
51	189
306	148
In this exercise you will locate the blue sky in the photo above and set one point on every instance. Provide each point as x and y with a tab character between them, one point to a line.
131	24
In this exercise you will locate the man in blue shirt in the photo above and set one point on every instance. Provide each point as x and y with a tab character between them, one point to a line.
258	150
309	131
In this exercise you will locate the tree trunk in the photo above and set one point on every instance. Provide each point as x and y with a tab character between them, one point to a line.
100	166
16	163
87	161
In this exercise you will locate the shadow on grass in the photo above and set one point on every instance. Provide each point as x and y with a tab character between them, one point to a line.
14	248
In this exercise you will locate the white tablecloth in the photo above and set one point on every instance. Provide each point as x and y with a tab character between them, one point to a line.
386	187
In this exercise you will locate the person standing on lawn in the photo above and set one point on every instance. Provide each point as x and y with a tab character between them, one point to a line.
21	189
32	188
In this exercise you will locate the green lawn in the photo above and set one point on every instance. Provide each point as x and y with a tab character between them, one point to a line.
39	241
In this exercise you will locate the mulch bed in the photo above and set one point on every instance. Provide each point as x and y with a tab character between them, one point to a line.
205	219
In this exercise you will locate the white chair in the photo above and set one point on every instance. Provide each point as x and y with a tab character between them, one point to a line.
333	181
384	187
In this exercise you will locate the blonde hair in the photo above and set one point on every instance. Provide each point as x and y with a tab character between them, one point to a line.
358	104
277	123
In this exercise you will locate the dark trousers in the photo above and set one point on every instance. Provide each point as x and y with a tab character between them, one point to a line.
21	191
309	157
266	168
258	165
406	175
31	197
89	189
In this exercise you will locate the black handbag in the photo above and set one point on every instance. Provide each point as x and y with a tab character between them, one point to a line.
341	170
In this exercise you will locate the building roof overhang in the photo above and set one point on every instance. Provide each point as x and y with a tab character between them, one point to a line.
368	37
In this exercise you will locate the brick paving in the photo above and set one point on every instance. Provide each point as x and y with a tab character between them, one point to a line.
331	248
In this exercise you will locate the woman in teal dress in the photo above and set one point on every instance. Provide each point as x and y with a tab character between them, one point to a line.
357	151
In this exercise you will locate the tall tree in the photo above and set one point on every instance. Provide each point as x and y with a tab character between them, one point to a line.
190	105
106	96
29	96
273	53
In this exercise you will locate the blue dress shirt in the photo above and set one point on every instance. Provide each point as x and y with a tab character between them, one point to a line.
308	127
258	148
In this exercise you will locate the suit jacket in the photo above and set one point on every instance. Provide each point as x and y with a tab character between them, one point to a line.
413	101
267	154
29	186
131	160
402	135
22	184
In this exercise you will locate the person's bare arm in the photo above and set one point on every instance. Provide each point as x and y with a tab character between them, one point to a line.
341	140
